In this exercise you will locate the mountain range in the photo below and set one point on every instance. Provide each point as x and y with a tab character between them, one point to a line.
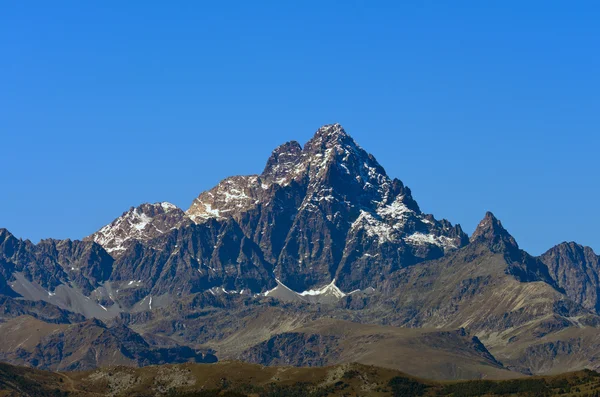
322	259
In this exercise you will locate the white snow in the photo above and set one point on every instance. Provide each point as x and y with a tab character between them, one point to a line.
235	195
131	225
396	211
168	206
279	284
209	210
418	238
230	195
140	221
329	289
374	227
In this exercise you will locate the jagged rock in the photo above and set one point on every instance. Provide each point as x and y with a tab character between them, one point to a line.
325	211
52	263
491	232
523	266
142	223
323	231
576	269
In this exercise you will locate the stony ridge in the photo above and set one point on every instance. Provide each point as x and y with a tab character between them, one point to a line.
323	231
330	199
576	269
140	223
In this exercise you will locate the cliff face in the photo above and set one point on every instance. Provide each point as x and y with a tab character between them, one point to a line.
575	269
322	233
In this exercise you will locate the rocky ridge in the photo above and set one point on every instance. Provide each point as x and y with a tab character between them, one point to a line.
317	211
141	223
322	232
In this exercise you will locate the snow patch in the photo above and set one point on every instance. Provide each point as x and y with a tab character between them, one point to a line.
131	225
168	206
373	227
424	239
396	211
329	289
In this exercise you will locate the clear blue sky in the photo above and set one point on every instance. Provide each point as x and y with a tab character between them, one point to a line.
475	105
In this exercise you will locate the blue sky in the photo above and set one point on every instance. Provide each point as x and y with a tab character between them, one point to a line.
475	105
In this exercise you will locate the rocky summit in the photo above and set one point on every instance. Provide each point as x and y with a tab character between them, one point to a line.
321	259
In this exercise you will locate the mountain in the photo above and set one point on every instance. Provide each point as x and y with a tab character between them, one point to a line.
321	259
52	263
85	345
500	294
64	273
521	265
142	223
316	215
235	379
492	290
451	354
325	211
575	269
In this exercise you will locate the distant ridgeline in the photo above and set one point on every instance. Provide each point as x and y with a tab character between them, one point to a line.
322	259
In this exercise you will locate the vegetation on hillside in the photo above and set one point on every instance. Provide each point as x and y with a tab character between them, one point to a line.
236	379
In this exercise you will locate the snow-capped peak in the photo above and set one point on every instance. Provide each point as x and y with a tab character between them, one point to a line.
167	206
138	223
332	174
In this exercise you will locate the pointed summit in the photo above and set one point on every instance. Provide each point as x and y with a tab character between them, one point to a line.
4	234
329	136
138	223
520	264
8	243
576	269
283	159
331	132
491	232
316	209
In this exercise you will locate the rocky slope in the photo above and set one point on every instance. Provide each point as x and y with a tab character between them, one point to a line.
85	345
447	354
52	263
142	223
255	262
325	211
576	270
490	287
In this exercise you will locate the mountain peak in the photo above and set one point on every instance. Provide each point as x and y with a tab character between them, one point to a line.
491	232
334	130
283	159
4	234
575	267
314	208
8	242
138	223
328	136
573	251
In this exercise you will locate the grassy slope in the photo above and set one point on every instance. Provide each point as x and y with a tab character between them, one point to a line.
236	379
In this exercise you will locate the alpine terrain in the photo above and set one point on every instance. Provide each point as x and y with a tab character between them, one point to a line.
321	260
